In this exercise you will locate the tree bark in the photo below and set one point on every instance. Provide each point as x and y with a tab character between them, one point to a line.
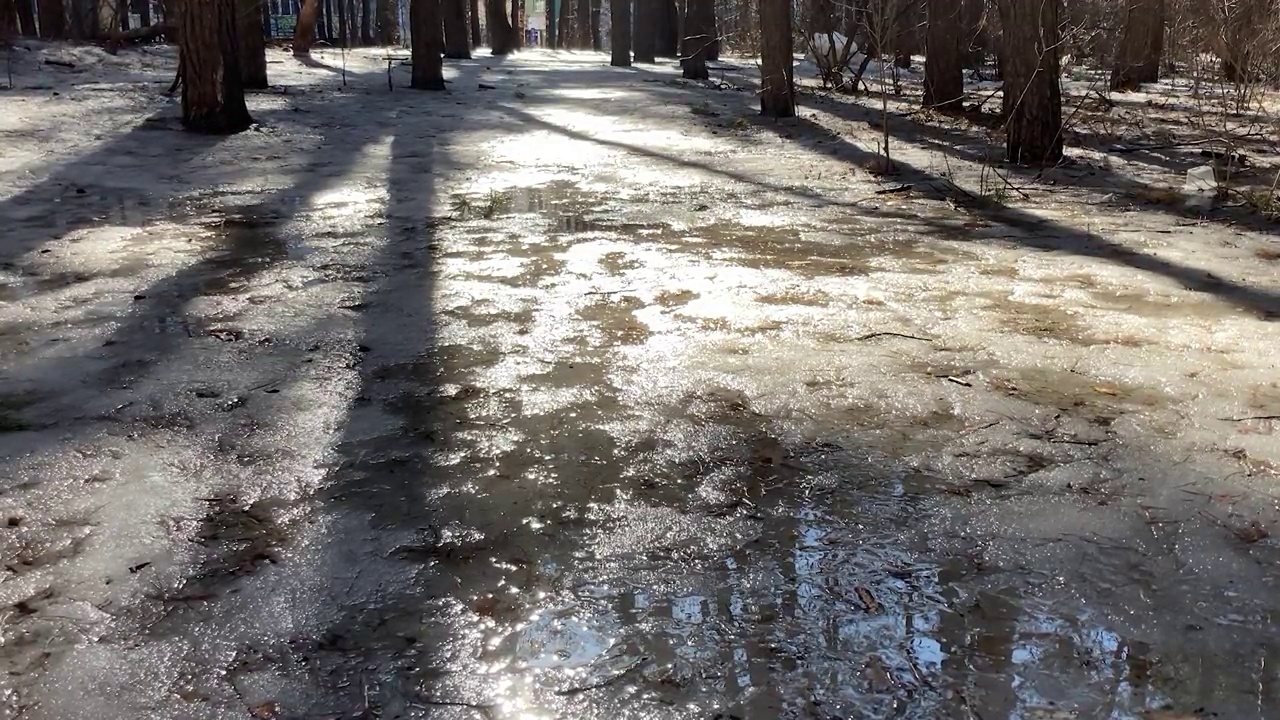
427	45
251	43
644	36
974	40
564	28
144	13
342	21
944	60
1032	93
620	33
699	31
212	96
53	20
1138	57
501	37
581	24
456	42
366	23
597	42
777	90
8	19
304	31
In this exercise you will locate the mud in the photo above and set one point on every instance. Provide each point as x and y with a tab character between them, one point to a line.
613	426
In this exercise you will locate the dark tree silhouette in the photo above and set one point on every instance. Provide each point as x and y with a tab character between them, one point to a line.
1031	69
777	89
212	95
1138	58
944	58
620	32
425	32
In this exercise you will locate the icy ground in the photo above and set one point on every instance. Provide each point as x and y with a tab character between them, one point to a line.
592	395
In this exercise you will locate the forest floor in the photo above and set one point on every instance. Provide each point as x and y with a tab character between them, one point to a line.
591	394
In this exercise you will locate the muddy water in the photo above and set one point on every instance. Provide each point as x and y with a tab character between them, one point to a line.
632	456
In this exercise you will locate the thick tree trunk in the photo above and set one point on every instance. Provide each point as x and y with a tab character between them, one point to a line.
426	45
456	42
144	13
252	44
366	23
1032	94
581	24
666	28
777	90
212	96
501	37
1138	57
974	42
53	20
388	24
620	33
304	32
644	31
699	32
944	59
8	19
597	42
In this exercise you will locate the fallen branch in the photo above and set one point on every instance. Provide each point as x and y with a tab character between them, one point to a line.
603	683
1247	418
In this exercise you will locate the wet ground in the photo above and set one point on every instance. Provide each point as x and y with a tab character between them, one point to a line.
592	396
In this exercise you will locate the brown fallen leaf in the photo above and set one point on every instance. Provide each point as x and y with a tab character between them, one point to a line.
1252	533
269	710
869	602
1106	390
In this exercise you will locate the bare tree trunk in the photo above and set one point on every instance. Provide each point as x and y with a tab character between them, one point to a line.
456	45
388	23
212	97
1032	93
27	18
944	61
777	90
645	31
974	41
145	13
620	33
426	45
473	18
581	24
304	32
1138	58
517	23
8	19
53	20
552	26
565	29
366	23
699	32
342	21
666	28
251	43
501	40
597	42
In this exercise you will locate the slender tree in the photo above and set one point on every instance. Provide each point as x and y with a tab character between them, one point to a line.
457	45
944	59
212	96
304	31
251	43
644	32
699	32
366	23
426	44
1032	92
620	33
1138	58
777	89
501	36
565	31
53	19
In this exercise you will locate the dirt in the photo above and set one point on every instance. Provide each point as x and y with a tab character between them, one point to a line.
576	403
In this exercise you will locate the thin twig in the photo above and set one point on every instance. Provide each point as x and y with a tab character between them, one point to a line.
1250	417
605	682
870	336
